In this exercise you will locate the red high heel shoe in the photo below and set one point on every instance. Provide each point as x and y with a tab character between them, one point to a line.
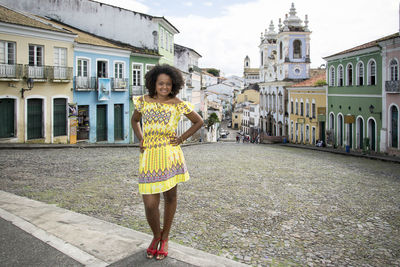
161	250
151	251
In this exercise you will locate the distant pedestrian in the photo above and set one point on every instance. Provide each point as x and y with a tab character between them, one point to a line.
162	165
237	139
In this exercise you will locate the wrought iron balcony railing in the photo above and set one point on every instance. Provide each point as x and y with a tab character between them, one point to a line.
11	71
59	73
85	83
136	90
392	86
119	84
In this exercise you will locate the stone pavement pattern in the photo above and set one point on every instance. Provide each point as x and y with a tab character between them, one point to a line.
259	204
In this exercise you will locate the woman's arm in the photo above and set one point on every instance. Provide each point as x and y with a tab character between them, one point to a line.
135	121
197	122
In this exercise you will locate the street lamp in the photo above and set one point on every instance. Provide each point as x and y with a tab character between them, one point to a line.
371	109
29	83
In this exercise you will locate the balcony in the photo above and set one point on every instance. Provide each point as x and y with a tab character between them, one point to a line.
36	72
11	72
392	86
138	90
59	74
85	83
119	84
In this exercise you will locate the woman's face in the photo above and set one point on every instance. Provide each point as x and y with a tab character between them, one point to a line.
163	85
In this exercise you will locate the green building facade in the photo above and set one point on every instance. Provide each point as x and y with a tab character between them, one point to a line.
354	112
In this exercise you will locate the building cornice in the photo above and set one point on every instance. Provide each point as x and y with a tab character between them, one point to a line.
353	54
87	48
26	31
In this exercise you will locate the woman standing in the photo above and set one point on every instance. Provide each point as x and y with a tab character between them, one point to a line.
162	165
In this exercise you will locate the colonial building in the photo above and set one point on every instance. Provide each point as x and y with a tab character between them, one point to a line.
187	60
36	60
115	23
285	60
391	94
250	75
355	90
307	109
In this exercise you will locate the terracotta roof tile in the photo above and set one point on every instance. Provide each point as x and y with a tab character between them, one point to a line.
366	45
24	19
315	76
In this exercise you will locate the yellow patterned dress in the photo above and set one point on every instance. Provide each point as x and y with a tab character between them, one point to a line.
161	165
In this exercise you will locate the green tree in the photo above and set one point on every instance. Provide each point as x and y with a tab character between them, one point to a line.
212	119
213	71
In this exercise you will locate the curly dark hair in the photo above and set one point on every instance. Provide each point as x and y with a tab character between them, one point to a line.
172	72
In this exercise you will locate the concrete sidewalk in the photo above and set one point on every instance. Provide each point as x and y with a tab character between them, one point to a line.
375	156
38	234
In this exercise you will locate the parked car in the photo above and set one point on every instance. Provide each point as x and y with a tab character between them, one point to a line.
230	125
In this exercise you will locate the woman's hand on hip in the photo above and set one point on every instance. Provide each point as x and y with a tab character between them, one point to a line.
142	147
175	140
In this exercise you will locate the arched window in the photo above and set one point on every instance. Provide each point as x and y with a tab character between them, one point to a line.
394	70
280	50
301	107
349	75
340	76
297	107
340	130
372	73
291	106
297	49
360	73
332	122
262	58
332	76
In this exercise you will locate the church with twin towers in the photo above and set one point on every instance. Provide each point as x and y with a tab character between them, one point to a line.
284	61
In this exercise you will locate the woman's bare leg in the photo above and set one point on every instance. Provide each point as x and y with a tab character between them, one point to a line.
170	203
151	207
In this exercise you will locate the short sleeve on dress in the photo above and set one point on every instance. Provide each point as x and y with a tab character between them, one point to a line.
138	102
185	107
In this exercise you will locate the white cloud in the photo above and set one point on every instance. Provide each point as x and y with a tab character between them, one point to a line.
188	3
225	41
208	3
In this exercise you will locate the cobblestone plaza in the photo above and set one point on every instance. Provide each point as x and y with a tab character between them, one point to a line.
264	205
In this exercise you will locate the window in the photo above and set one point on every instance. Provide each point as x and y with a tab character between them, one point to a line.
82	70
35	55
280	102
280	50
313	110
297	107
162	38
332	76
340	75
102	69
119	70
7	53
60	57
307	108
313	135
297	49
394	70
360	73
171	43
166	41
307	133
149	67
291	106
60	63
372	73
60	117
331	121
262	58
349	75
301	108
291	130
137	74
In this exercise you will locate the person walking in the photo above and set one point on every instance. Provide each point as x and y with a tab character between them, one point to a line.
161	163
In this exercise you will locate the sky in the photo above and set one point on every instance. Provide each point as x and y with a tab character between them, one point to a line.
223	32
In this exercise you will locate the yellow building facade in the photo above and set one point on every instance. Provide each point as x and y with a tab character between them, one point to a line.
36	80
248	95
307	112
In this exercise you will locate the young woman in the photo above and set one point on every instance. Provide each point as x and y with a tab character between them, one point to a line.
162	165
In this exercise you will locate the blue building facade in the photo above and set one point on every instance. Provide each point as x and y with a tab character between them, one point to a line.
101	93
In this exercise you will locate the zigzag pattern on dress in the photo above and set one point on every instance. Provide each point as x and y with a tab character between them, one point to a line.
159	176
156	116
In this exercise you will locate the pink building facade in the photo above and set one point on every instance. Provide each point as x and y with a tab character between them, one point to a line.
390	132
